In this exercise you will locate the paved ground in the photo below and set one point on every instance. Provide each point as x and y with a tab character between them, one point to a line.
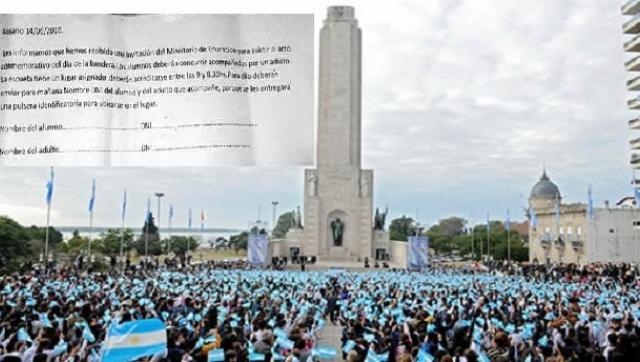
330	336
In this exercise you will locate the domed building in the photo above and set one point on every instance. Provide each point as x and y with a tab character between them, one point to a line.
544	193
575	233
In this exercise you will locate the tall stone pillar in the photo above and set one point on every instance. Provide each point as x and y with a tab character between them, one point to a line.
338	188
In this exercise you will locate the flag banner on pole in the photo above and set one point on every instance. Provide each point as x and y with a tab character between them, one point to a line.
202	218
50	188
418	255
257	249
557	210
534	217
92	200
170	212
148	215
134	340
507	223
190	218
636	192
124	204
589	202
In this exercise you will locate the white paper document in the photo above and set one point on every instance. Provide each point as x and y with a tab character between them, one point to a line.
156	90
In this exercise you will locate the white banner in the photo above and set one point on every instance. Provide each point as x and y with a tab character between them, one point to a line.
257	249
418	252
156	90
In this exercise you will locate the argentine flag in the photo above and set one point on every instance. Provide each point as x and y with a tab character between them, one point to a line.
133	340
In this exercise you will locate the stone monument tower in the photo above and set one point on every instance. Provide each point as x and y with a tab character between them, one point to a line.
338	193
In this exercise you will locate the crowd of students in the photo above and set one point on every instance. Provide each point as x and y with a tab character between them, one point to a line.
505	312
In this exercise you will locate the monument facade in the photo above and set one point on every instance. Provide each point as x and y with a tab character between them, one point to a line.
338	202
338	193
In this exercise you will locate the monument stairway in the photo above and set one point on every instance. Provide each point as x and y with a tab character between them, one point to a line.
330	337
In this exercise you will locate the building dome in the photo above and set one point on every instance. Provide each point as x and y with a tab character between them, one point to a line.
544	188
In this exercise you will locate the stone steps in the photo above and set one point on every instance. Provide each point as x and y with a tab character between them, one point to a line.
330	337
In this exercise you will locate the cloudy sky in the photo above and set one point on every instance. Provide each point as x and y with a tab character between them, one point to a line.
463	102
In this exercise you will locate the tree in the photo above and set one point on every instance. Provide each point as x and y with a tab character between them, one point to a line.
178	244
111	240
76	244
498	243
13	243
452	226
285	222
150	237
37	236
221	243
240	241
401	228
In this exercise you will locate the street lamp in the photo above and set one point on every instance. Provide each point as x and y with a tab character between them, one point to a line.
273	214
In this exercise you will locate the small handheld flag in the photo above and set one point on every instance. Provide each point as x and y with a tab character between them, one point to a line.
92	200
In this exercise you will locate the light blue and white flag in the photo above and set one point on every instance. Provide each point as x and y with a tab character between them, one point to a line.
23	335
507	223
636	191
148	215
216	355
534	217
92	200
50	188
124	205
557	210
133	340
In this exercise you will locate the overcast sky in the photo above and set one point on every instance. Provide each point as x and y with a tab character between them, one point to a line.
463	101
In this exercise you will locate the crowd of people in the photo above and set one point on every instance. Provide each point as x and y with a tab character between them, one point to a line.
221	312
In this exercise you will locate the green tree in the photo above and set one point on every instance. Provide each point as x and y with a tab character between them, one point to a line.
452	226
111	240
401	228
498	243
76	244
37	236
240	241
151	237
178	244
14	244
285	222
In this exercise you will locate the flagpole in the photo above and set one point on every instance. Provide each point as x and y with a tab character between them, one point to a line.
46	239
473	249
169	228
122	244
509	244
90	237
488	236
508	236
146	234
46	231
188	238
124	209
